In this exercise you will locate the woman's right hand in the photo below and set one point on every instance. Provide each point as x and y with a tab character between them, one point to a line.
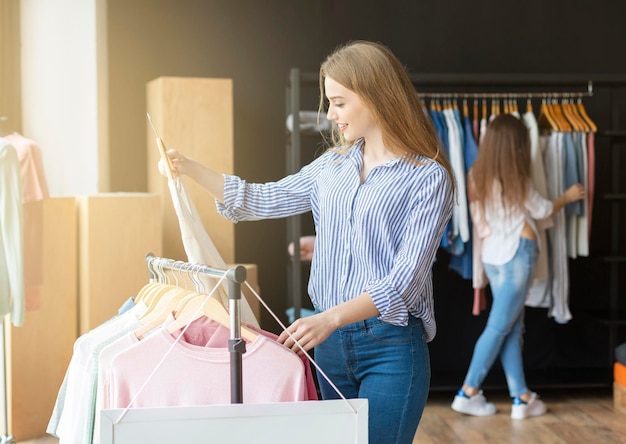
307	243
177	162
574	193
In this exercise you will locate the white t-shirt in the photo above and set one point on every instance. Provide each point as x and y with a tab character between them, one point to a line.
506	229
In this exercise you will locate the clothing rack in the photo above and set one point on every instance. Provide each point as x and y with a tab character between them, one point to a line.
338	421
608	91
235	276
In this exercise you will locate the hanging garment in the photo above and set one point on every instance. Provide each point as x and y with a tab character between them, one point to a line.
34	191
198	245
160	371
591	166
196	241
215	334
73	416
34	184
12	294
537	296
460	214
582	230
558	286
462	263
571	176
442	131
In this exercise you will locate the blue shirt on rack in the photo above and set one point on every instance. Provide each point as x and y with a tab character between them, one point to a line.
380	236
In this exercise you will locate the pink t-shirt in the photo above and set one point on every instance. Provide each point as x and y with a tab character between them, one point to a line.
194	372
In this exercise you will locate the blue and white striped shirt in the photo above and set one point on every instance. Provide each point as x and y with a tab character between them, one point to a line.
380	236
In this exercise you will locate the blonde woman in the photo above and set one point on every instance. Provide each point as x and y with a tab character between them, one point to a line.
380	196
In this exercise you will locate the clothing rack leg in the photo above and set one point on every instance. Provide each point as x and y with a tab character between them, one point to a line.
5	438
236	345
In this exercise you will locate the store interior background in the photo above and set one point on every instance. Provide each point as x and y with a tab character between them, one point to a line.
83	99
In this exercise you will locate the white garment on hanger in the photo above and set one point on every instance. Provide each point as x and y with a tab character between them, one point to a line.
75	408
199	247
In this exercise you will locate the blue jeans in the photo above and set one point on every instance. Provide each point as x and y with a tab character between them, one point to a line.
503	334
386	364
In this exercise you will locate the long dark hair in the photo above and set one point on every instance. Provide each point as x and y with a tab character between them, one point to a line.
501	172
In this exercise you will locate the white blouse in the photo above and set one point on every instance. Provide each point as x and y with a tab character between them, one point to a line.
501	244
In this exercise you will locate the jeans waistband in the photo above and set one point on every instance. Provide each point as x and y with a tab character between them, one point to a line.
373	322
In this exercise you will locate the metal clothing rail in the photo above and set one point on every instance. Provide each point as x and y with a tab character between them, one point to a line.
506	95
235	276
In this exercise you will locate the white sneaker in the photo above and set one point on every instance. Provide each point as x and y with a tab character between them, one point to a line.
523	410
475	405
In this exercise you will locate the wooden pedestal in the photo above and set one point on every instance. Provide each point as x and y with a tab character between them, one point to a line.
116	230
39	352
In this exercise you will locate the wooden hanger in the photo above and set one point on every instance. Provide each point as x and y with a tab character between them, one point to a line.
572	112
557	112
155	293
546	119
169	168
153	296
155	283
214	308
571	120
204	305
157	300
583	113
529	105
160	310
141	294
475	110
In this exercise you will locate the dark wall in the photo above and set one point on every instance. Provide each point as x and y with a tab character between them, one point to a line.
256	42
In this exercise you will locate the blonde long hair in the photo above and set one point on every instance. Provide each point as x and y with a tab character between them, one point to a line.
374	73
501	173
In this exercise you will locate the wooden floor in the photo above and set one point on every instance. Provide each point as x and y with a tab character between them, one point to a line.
574	417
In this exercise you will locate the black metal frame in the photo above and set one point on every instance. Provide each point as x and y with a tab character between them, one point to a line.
441	84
